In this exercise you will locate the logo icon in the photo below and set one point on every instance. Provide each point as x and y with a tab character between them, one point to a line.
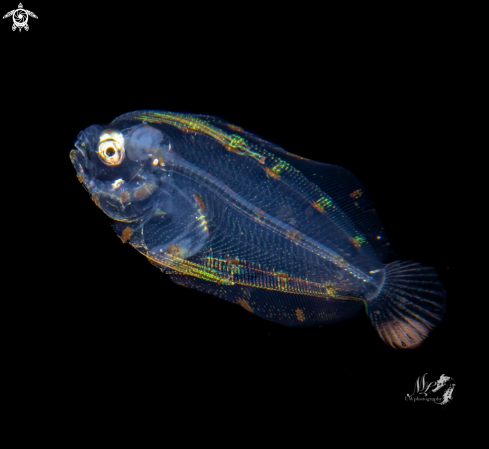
20	17
445	385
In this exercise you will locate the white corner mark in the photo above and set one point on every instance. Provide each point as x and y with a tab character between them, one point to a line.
20	17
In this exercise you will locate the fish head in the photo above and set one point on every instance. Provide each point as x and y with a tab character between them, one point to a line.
123	168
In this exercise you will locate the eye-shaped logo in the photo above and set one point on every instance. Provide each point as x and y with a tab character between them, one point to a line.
20	17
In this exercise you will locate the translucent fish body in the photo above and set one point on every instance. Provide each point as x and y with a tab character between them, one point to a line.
223	211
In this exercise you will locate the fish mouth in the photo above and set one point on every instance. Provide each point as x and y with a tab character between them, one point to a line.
80	160
79	146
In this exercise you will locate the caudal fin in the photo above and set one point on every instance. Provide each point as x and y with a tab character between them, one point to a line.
409	305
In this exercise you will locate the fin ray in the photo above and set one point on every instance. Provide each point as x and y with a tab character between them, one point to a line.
409	305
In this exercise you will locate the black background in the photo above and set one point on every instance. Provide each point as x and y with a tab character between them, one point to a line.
94	320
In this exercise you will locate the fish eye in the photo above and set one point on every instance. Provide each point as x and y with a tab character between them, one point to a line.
111	147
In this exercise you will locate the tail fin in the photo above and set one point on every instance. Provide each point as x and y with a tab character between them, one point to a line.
410	304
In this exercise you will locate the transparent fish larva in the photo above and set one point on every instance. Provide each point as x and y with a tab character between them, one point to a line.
225	212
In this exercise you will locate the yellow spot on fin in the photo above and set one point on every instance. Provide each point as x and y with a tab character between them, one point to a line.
356	194
270	172
173	250
243	303
357	241
235	128
200	201
126	234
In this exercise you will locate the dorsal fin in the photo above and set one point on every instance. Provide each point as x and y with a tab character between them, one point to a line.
349	194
